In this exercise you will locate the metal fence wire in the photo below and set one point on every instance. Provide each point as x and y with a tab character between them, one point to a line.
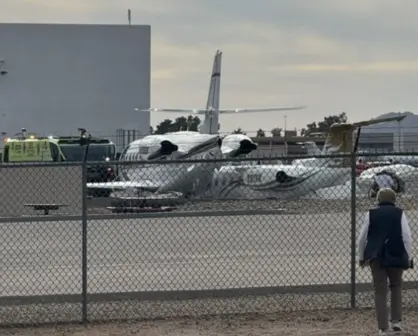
187	238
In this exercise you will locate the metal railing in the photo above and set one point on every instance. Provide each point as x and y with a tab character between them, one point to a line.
233	245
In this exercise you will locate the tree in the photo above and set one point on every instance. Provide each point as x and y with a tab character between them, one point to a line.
238	131
164	127
260	133
180	124
151	130
324	126
276	132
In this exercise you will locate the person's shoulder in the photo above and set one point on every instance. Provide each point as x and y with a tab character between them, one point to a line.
400	211
387	207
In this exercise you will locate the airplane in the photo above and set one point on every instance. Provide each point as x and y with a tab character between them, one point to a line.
205	144
339	132
411	160
292	181
408	173
404	166
311	148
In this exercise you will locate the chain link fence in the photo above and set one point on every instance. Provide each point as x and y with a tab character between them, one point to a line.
186	238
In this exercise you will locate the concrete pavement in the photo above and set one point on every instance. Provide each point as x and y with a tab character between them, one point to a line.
179	253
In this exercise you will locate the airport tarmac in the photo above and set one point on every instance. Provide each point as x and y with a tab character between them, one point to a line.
124	255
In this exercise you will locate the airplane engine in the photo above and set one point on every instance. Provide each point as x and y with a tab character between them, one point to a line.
246	147
235	145
166	148
282	177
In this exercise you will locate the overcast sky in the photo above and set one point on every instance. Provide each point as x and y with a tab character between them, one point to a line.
358	56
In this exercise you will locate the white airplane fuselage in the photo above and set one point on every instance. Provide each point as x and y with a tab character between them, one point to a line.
408	173
185	177
273	181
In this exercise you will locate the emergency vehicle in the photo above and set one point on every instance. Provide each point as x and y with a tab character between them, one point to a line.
63	149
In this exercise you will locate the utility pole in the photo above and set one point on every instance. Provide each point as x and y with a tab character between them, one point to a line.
85	141
285	134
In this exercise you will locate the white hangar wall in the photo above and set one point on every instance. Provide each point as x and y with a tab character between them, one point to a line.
64	76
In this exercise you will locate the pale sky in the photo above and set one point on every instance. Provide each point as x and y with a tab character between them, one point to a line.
358	56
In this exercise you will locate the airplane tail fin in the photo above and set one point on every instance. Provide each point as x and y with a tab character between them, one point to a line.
210	124
311	148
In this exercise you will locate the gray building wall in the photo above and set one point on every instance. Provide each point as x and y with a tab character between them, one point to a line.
409	141
382	141
64	76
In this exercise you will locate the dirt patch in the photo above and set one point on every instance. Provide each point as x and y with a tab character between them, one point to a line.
334	323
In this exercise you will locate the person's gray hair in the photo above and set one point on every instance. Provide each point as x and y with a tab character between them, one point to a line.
386	195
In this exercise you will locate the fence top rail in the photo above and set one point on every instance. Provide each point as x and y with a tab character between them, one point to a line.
226	160
40	164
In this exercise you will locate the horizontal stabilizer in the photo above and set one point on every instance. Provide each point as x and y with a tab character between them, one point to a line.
237	110
377	121
267	109
123	185
194	111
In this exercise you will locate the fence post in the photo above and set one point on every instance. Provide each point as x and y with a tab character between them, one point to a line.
84	242
353	231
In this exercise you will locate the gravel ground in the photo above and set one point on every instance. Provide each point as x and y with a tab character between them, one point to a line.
319	323
142	310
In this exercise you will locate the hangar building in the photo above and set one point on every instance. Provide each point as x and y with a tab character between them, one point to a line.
56	78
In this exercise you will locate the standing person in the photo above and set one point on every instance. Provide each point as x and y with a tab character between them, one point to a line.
385	244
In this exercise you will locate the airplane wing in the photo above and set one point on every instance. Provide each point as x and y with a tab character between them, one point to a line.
122	185
377	121
236	110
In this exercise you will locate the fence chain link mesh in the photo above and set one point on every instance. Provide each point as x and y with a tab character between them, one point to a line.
40	253
188	238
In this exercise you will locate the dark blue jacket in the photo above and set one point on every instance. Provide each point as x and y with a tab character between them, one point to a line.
384	237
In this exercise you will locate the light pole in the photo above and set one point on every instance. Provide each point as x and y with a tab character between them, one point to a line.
85	141
285	135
